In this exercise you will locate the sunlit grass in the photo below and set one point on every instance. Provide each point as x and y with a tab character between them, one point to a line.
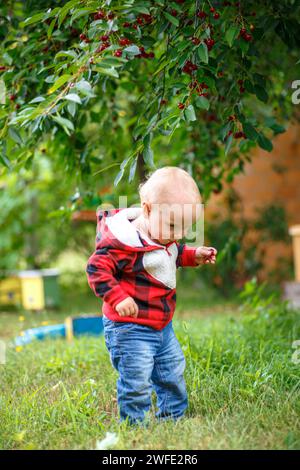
242	384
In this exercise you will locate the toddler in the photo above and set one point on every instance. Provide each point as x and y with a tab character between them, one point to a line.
133	270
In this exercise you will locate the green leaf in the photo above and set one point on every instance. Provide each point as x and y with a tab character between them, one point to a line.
119	176
65	10
112	62
203	52
51	27
228	144
112	72
171	18
140	9
5	161
33	19
65	123
73	97
250	131
71	107
261	93
231	34
265	143
132	170
202	103
225	129
132	49
37	99
148	156
85	87
59	82
189	113
66	54
14	134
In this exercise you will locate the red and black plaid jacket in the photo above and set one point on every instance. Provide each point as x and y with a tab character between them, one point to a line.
125	263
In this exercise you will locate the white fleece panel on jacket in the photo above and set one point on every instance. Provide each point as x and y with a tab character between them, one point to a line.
158	263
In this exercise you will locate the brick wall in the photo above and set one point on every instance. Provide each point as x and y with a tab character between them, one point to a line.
271	178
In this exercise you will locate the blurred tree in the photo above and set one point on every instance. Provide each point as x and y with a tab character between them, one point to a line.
108	83
106	90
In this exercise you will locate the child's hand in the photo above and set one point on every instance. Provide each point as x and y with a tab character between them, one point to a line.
127	307
205	255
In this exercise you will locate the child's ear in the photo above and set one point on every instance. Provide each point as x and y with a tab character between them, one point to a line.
146	209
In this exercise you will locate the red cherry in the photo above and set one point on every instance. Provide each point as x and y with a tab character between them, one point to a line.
12	97
201	14
216	16
2	67
110	15
174	12
18	106
124	41
212	9
100	15
195	40
181	106
118	53
210	43
103	46
82	37
163	102
147	18
239	135
243	31
105	37
247	37
242	89
126	24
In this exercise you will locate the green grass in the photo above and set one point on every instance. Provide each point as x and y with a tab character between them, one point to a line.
242	384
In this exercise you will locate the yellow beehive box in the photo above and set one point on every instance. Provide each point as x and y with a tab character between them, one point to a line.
32	288
10	291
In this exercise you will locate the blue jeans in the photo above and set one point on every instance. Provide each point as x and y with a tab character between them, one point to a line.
147	360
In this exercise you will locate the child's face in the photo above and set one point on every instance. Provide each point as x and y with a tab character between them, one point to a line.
170	222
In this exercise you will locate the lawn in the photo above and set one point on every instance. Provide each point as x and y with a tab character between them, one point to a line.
242	383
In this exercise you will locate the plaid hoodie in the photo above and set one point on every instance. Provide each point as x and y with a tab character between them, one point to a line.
127	263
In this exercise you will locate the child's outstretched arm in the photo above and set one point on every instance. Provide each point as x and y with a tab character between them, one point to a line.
206	254
194	256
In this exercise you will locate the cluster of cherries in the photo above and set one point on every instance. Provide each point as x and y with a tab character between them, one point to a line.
199	87
201	14
246	36
141	20
241	85
123	41
101	15
189	67
238	134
